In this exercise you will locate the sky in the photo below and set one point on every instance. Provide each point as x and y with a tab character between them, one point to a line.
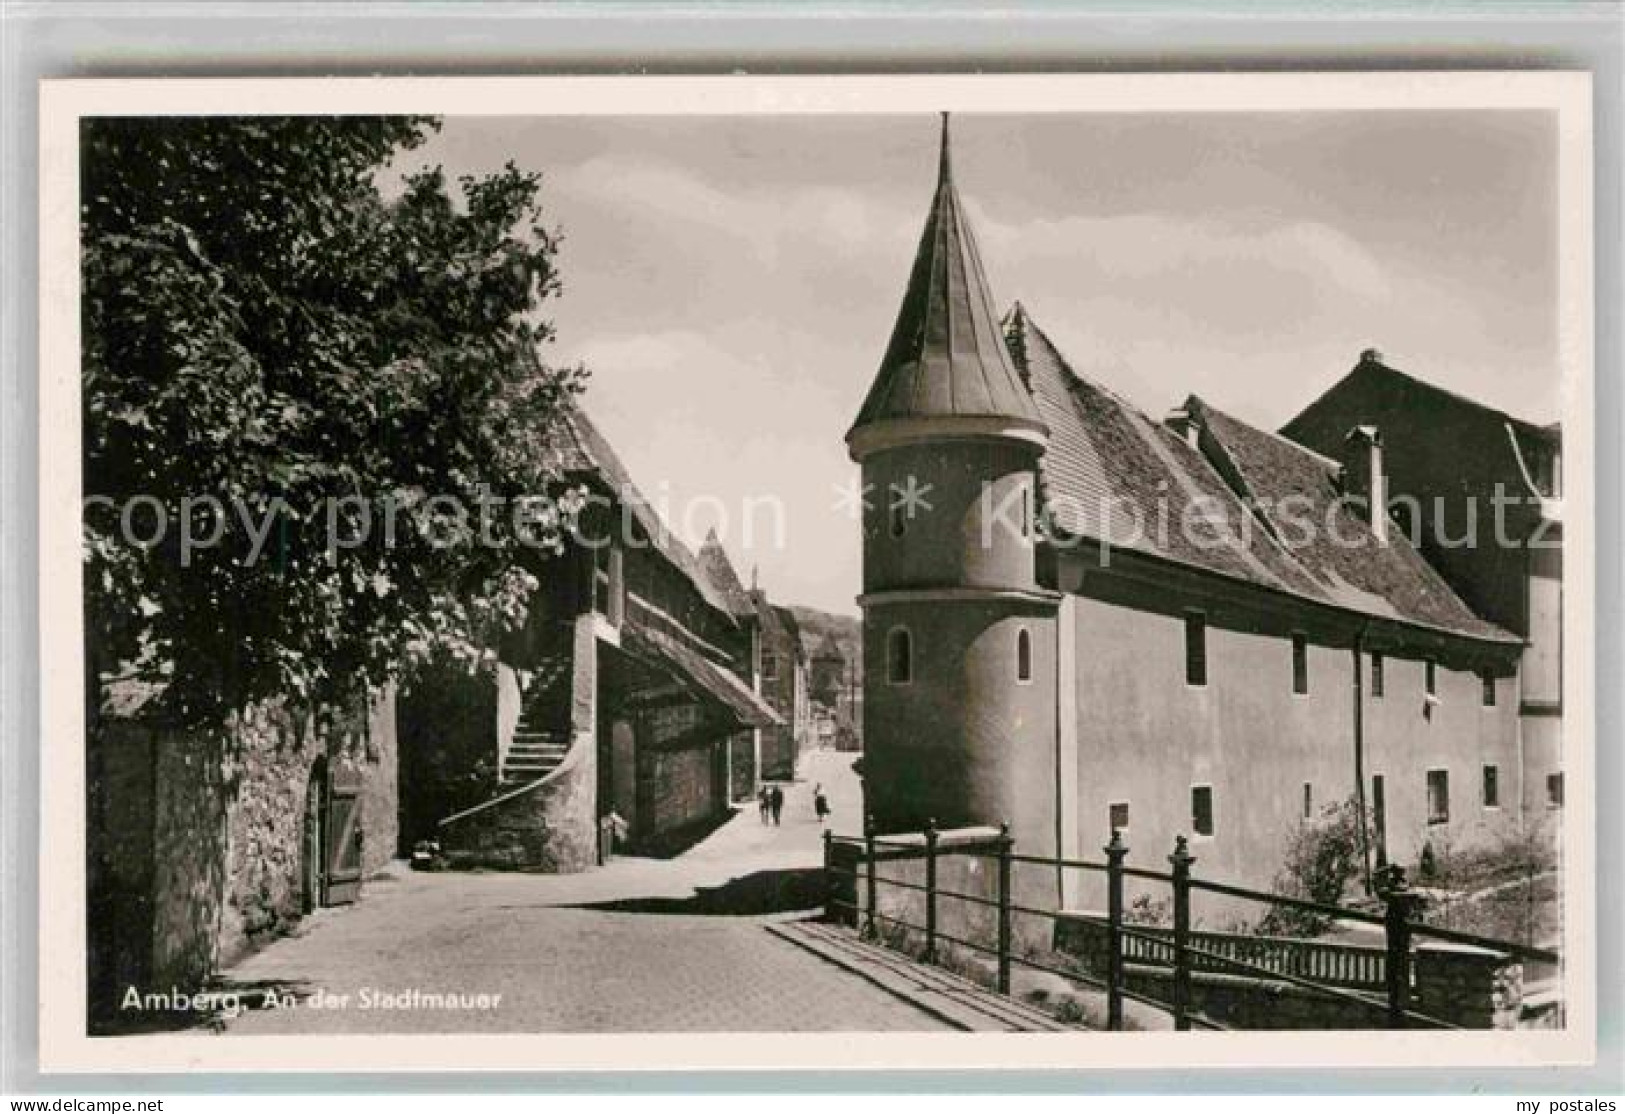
731	282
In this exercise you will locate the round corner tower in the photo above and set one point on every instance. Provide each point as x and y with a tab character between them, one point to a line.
959	642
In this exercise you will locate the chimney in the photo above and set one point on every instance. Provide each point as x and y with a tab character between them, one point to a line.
1363	477
1184	423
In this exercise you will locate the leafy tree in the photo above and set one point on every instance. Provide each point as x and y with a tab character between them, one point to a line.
334	352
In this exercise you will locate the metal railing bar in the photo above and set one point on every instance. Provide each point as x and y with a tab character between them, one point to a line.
1044	860
1516	951
1337	912
991	903
1065	973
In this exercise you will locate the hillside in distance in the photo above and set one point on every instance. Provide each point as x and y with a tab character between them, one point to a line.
816	625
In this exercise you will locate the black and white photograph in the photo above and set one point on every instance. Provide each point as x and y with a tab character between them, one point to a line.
1075	564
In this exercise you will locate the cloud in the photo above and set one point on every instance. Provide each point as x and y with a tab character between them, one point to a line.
1198	267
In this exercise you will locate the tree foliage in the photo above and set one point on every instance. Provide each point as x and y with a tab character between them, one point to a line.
274	319
1323	857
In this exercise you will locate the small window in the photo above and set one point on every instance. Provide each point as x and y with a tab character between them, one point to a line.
1554	790
1376	676
1300	664
899	656
770	667
897	513
1195	648
1431	671
1026	511
1438	797
1492	787
1379	816
1202	810
1024	656
1117	816
1308	801
1487	679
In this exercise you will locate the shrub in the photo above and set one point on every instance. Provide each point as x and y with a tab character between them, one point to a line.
1322	858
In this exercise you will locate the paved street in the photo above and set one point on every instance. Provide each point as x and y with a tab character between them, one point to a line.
640	945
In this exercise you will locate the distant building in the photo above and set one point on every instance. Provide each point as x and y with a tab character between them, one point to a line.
629	691
744	747
784	685
1169	655
1438	451
828	673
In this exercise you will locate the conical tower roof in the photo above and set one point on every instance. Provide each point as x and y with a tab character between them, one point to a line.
720	571
946	368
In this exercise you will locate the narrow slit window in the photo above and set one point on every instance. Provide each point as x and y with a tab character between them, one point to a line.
1438	797
1202	810
1554	790
1024	656
1308	801
1431	675
1487	679
1300	664
1026	511
1376	676
1492	787
1117	816
1195	648
897	513
899	656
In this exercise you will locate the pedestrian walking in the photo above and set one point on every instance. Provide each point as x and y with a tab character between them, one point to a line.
820	803
764	801
776	803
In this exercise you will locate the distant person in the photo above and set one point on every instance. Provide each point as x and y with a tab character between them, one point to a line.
764	801
775	803
820	803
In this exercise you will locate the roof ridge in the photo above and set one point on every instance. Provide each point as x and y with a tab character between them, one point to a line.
1330	462
1379	364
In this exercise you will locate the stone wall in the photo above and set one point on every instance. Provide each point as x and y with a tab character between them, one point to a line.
197	838
192	816
1469	987
271	759
548	825
679	787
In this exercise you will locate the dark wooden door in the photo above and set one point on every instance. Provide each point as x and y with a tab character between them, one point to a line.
344	840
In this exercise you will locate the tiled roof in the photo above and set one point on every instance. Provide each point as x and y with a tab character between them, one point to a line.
946	358
1114	475
1352	566
584	452
703	676
720	571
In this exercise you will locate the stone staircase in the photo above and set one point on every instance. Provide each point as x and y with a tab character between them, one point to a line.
537	747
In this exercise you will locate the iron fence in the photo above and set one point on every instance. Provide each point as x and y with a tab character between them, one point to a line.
1376	981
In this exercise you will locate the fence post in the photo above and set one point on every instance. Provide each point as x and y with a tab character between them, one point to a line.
1004	907
869	930
931	891
1181	860
829	875
1116	851
1401	907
